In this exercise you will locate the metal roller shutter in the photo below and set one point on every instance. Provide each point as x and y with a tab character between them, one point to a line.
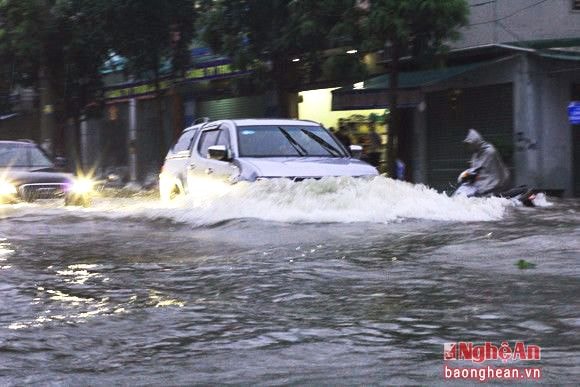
576	159
113	137
576	144
150	149
450	113
240	107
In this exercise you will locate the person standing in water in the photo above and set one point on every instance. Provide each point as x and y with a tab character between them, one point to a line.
374	149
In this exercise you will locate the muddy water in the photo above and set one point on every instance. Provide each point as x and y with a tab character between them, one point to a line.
332	283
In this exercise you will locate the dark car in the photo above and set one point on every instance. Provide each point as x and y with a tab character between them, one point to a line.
27	173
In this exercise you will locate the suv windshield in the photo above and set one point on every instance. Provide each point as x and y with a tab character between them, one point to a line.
23	155
287	141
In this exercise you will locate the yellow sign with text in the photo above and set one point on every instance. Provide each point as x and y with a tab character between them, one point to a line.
193	74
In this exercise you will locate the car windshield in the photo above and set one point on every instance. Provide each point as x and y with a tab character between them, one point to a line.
287	141
23	155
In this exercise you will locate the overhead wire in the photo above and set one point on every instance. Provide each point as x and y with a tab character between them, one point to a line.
480	4
508	16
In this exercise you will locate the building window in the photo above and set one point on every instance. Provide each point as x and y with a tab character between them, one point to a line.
576	5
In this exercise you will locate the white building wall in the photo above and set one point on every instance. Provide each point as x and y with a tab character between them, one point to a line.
557	140
504	21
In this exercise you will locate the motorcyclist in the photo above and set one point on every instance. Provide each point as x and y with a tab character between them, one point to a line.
492	175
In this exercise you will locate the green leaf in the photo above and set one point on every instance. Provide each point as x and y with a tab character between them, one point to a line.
523	264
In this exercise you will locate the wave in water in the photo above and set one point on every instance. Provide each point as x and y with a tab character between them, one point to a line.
342	200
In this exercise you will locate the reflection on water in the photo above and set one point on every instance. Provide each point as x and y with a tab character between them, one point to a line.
132	296
5	252
77	308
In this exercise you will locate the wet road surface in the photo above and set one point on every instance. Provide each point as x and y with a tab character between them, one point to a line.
131	292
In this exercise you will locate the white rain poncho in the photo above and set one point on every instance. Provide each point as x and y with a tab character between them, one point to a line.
493	176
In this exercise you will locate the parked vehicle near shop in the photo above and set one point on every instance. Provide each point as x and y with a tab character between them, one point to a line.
254	149
28	174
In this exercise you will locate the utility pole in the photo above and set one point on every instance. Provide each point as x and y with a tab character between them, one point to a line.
47	118
495	22
47	101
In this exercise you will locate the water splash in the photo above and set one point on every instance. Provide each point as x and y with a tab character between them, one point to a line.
342	200
541	200
329	200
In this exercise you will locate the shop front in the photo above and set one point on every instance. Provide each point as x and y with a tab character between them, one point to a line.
426	120
518	102
352	126
142	118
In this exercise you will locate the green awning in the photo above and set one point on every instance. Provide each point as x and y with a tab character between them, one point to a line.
416	79
547	43
373	93
560	55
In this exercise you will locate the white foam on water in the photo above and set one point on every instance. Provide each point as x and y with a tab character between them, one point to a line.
541	200
342	200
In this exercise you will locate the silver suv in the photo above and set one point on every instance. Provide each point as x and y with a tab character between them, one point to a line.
253	149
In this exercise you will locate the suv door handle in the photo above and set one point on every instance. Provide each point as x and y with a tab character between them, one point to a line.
209	171
191	166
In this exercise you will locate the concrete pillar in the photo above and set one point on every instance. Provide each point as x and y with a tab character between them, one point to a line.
84	156
526	126
420	144
133	139
556	135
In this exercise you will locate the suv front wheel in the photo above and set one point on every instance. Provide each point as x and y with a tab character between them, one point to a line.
77	200
169	192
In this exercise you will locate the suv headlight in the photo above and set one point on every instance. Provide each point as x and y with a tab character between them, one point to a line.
7	188
82	185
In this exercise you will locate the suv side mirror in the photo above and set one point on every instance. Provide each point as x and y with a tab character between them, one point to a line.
356	151
218	152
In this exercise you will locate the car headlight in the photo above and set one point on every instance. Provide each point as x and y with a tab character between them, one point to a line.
7	188
82	185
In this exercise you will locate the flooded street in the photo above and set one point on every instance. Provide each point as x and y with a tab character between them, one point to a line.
330	282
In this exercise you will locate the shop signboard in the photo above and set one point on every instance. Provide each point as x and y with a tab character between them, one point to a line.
574	112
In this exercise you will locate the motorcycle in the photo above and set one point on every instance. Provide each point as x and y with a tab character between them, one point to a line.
467	179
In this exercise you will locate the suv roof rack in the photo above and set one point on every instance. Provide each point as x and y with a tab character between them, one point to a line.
201	120
26	140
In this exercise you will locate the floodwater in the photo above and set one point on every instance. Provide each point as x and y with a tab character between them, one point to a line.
335	282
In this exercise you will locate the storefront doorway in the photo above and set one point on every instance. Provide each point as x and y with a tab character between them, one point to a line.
489	109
